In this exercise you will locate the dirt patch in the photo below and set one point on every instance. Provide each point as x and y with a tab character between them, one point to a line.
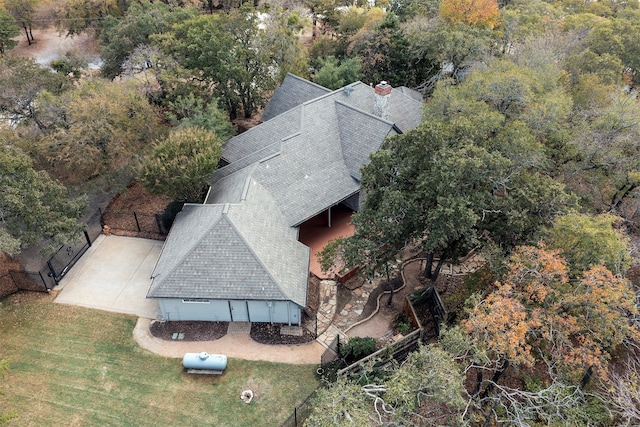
119	215
189	331
50	44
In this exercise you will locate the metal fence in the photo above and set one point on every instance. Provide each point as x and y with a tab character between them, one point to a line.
55	268
66	257
14	281
301	412
135	222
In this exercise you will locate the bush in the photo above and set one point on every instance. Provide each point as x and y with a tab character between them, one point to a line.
169	214
361	347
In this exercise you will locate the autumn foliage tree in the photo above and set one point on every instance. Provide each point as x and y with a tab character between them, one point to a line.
536	313
482	13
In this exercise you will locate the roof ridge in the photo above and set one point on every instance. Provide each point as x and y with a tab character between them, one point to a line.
307	81
255	255
356	109
333	92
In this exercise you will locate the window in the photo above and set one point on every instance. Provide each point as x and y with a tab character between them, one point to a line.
195	301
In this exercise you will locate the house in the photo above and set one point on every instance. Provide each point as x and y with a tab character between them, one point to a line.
237	256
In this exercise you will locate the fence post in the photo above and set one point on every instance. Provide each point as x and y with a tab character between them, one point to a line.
137	223
159	224
44	282
101	217
53	272
86	236
295	416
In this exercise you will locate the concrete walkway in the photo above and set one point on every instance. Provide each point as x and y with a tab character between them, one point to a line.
239	346
114	275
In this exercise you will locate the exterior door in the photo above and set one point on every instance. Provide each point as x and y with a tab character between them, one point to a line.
239	311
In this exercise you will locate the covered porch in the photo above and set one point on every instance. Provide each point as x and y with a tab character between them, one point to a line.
316	232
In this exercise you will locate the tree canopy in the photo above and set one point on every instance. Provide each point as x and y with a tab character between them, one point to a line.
34	209
180	165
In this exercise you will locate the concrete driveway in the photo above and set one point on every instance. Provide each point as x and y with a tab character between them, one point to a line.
114	275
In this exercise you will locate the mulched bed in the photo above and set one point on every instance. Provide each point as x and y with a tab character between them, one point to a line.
193	331
372	302
266	333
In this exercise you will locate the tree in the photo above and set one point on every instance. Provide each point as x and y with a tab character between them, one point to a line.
21	83
605	168
8	31
34	209
383	53
23	11
482	183
98	130
181	164
587	241
190	111
441	50
482	13
76	16
536	313
231	54
623	391
334	74
426	390
281	38
119	37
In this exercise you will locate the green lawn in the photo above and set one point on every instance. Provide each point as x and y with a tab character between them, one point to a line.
81	367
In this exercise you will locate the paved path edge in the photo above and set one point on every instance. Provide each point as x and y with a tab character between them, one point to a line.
234	346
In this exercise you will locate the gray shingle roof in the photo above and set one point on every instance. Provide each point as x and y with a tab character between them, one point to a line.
293	92
243	243
359	136
309	157
233	251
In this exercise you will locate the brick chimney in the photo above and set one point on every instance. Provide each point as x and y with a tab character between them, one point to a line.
381	106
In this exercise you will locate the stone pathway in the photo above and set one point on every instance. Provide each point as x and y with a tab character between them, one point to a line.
331	323
241	328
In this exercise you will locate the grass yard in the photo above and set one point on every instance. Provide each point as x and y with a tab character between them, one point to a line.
72	366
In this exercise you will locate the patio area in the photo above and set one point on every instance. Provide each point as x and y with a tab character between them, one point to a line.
316	233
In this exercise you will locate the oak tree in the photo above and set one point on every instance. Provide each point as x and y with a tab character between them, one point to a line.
34	209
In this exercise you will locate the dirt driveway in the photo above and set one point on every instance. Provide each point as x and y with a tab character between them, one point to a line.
114	275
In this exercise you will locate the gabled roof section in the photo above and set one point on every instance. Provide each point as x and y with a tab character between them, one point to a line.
262	137
232	188
404	111
262	226
190	227
240	251
360	135
309	157
411	92
292	92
